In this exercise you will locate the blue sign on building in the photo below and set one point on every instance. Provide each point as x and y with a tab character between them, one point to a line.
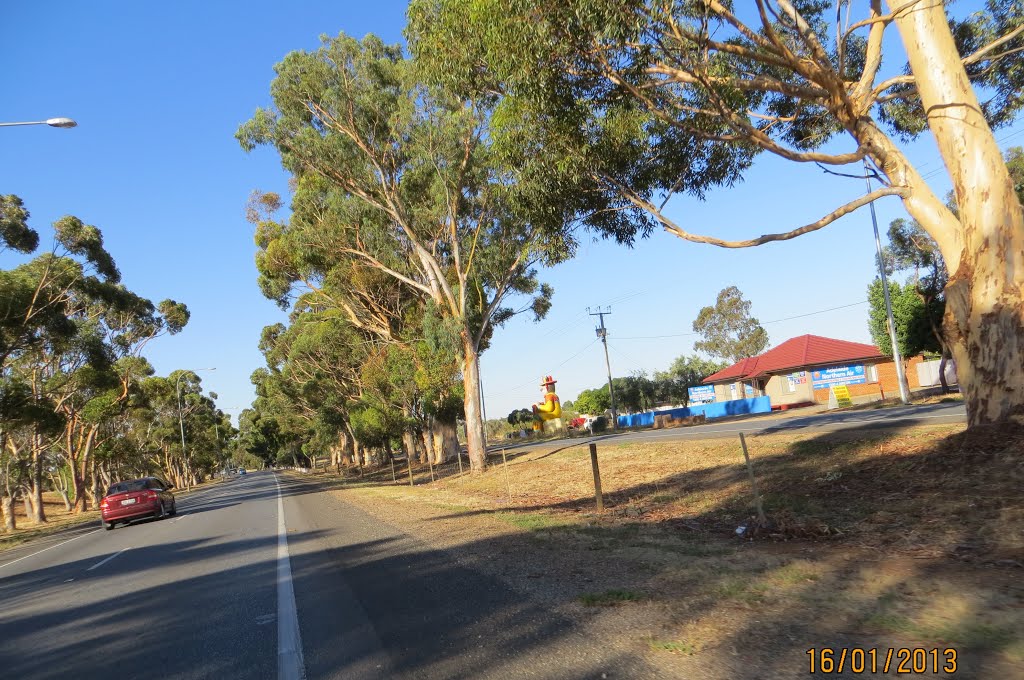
701	394
838	375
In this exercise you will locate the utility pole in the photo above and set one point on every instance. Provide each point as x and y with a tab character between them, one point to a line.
602	333
897	358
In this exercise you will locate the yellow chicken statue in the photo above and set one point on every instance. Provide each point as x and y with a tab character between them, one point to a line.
547	413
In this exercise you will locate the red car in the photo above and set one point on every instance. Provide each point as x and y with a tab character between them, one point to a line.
146	497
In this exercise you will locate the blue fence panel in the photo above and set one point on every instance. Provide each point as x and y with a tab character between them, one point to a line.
718	409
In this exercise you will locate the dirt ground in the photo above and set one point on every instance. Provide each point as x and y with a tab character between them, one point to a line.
912	539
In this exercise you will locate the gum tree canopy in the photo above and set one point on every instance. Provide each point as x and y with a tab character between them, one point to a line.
398	177
631	101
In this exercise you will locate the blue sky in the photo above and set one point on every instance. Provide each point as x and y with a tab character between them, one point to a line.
158	90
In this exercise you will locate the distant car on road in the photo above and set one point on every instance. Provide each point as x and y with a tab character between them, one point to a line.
135	499
241	471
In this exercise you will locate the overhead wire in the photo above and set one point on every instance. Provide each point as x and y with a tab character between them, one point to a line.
788	318
548	372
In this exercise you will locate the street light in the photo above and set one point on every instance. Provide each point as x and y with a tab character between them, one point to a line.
52	122
181	419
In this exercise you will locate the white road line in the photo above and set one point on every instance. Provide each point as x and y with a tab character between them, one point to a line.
50	548
290	665
104	561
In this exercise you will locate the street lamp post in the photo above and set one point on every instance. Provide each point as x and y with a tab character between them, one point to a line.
52	122
181	418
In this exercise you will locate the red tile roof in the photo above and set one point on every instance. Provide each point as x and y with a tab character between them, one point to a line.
795	354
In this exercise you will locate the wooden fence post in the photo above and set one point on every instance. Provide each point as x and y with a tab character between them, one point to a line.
597	477
508	486
753	483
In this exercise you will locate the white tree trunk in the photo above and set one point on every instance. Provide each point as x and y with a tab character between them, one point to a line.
476	440
7	504
446	442
427	439
985	296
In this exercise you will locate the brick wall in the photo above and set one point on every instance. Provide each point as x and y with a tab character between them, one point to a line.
886	380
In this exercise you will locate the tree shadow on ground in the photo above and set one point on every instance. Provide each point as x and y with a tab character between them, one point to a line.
904	539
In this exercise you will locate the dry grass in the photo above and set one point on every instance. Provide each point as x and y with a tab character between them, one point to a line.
57	518
910	537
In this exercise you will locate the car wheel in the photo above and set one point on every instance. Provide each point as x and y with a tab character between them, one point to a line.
161	513
174	508
107	525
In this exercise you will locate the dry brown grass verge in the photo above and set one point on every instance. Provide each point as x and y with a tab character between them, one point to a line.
883	538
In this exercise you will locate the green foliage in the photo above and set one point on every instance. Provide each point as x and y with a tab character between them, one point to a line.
619	104
685	372
727	329
15	233
910	313
73	382
593	402
404	223
1015	164
520	417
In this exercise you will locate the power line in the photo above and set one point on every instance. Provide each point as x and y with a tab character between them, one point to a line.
788	318
602	333
530	382
932	173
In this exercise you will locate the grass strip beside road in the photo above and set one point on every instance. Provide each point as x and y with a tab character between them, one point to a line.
906	537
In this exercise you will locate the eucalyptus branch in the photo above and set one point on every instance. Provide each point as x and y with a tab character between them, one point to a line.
980	53
674	229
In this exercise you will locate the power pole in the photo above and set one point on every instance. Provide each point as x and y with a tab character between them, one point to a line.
897	358
602	333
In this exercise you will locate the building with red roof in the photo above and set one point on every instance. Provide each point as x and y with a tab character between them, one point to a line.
802	370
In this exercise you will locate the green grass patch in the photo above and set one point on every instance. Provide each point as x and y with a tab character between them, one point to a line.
531	521
673	646
610	598
741	590
794	574
454	508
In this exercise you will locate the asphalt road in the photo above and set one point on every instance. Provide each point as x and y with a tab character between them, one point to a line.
900	416
268	576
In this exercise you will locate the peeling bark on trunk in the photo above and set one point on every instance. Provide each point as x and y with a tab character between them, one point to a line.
426	446
409	444
476	441
7	503
345	440
36	484
446	442
984	322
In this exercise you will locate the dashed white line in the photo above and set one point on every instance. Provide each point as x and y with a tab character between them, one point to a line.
104	561
290	665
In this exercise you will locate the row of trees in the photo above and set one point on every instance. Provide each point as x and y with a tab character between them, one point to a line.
428	187
407	243
640	392
80	405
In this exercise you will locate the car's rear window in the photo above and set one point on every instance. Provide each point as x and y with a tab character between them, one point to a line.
125	487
